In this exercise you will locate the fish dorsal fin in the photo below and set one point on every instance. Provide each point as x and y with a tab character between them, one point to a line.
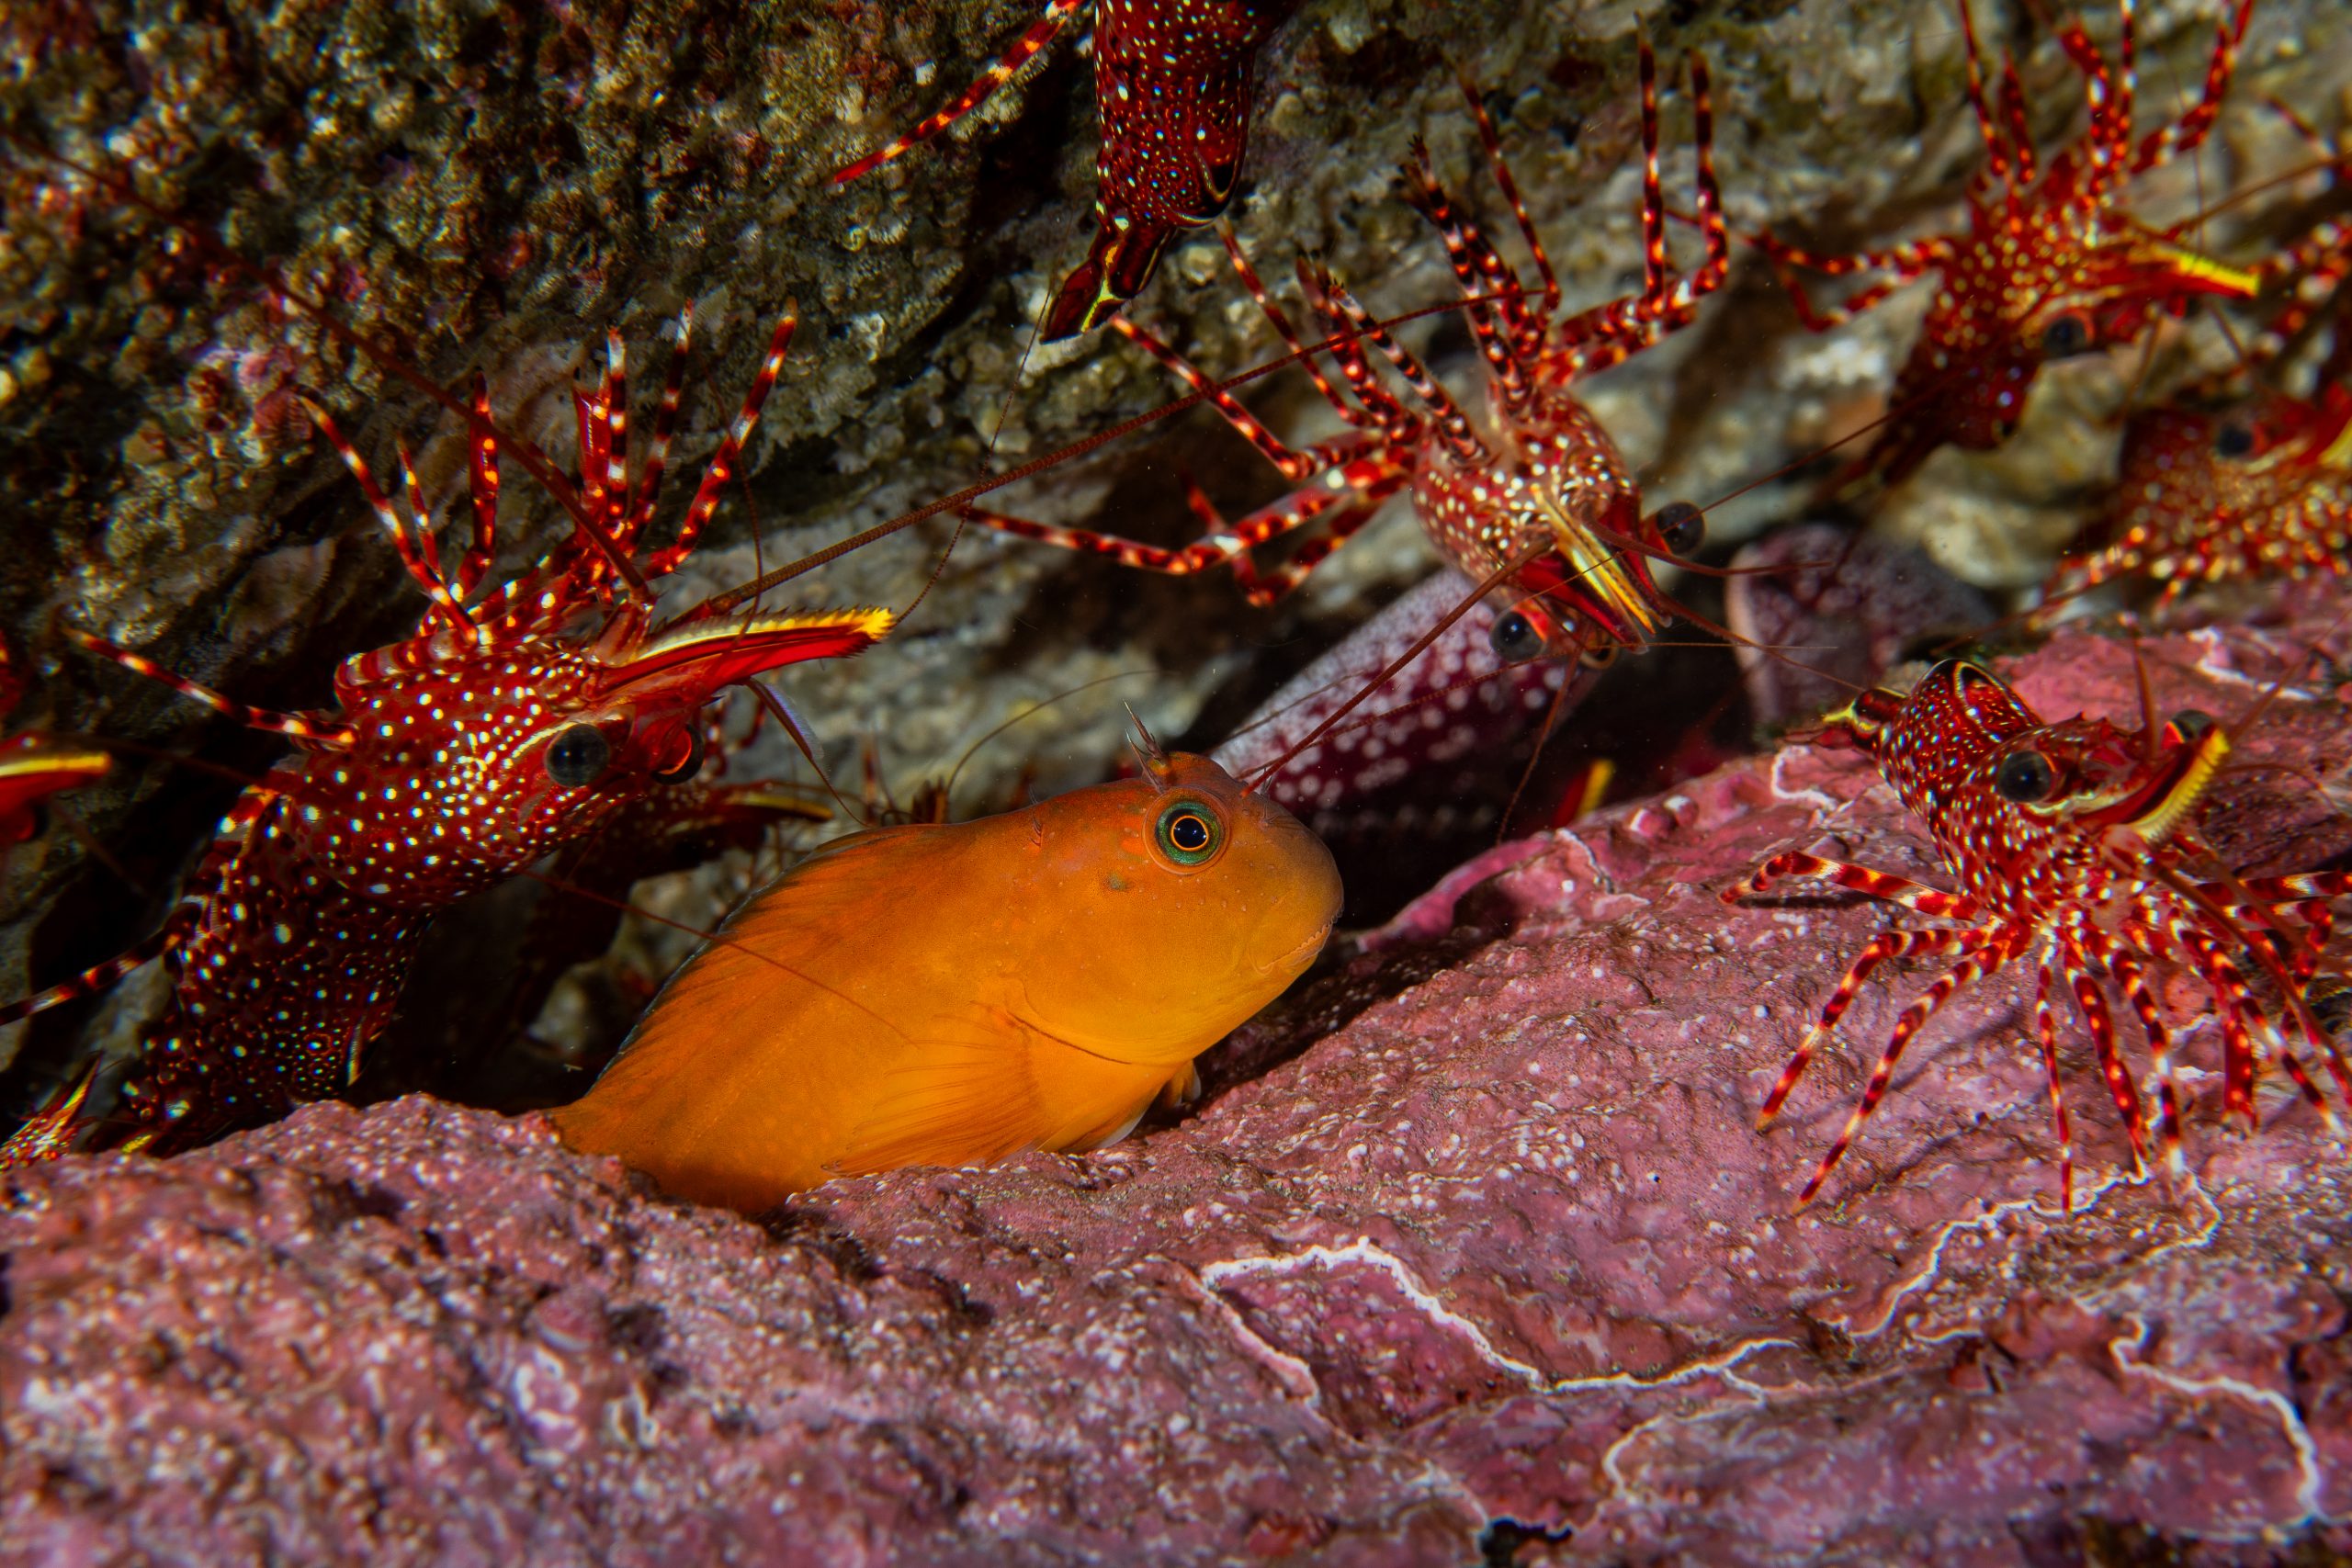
960	1102
863	870
789	935
766	961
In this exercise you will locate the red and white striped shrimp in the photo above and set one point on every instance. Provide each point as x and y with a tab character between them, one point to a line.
506	726
2260	489
2072	843
1173	84
2050	267
1539	488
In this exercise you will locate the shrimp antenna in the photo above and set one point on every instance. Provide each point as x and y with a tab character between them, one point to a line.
716	937
720	604
948	789
1517	561
781	711
1526	774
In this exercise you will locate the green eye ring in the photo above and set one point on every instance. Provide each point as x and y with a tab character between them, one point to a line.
1189	833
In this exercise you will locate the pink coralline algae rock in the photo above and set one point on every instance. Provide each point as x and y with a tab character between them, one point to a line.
1497	1271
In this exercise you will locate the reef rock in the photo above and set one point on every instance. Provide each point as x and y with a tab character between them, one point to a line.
1498	1269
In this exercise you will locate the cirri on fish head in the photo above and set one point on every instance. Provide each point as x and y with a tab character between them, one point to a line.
953	995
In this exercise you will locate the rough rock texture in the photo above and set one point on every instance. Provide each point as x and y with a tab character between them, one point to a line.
1497	1267
485	187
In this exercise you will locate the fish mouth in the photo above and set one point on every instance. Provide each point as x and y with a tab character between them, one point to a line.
1298	958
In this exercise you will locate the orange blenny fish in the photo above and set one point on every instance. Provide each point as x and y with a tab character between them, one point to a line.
953	995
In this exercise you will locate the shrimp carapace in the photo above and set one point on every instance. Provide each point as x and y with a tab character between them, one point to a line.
955	994
1540	485
2207	495
515	721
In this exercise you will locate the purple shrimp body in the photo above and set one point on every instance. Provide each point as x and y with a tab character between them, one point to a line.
1431	759
1843	610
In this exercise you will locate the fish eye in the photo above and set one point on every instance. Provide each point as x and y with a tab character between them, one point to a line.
2234	439
578	756
2026	777
1189	833
2068	335
689	765
1681	527
1513	638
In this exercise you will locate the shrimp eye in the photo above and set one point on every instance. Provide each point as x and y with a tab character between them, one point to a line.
2189	725
688	765
1513	638
2026	777
2232	440
579	756
2068	335
2332	1005
1681	527
1189	833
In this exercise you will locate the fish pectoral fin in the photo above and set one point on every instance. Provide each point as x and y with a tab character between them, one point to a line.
1112	1131
1183	1088
960	1104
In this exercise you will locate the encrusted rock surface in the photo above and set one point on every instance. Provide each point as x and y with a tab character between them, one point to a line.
1499	1268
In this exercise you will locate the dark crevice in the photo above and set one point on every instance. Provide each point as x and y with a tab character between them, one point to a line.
1501	1542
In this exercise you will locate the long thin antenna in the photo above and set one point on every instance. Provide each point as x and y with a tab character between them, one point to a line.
720	603
1032	711
783	714
1518	560
1149	753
